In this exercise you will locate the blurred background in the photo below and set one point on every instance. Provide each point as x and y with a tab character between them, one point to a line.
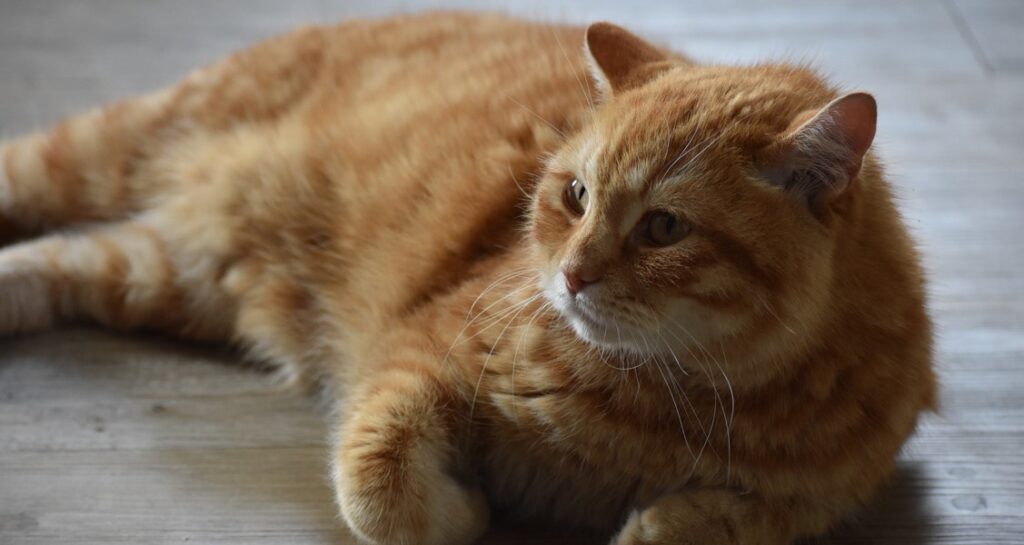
108	439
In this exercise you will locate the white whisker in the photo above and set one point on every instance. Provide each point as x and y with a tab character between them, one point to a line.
470	320
518	185
771	310
685	150
679	416
689	404
730	419
540	117
719	402
575	73
483	369
515	355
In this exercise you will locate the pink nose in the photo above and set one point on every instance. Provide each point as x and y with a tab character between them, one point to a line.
576	281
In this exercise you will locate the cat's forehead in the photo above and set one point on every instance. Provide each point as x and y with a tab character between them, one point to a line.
613	167
668	132
642	160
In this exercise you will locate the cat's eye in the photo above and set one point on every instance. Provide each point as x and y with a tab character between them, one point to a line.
576	196
663	229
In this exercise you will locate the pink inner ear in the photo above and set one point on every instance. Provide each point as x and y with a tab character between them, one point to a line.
822	156
856	115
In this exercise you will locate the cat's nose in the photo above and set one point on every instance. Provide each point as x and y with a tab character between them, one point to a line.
576	280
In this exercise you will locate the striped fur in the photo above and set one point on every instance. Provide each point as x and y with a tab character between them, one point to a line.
378	207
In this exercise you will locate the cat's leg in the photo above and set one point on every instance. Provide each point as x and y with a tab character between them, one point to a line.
396	464
721	517
123	276
85	169
110	163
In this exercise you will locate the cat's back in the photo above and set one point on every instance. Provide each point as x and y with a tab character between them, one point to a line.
435	127
425	67
378	161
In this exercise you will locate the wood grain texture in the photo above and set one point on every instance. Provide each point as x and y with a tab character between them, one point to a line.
107	439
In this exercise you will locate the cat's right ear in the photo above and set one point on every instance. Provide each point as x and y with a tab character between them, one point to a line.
620	60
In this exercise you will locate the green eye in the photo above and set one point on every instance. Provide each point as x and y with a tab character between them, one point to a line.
664	229
576	196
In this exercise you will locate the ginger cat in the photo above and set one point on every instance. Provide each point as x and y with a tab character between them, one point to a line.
610	289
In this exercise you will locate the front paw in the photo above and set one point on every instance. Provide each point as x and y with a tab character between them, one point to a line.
708	517
407	499
444	513
637	531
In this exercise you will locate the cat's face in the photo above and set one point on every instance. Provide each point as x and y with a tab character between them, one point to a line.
692	208
651	230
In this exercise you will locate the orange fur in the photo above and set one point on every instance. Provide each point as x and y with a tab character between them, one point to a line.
380	207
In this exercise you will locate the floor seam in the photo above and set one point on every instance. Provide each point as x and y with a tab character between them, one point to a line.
964	28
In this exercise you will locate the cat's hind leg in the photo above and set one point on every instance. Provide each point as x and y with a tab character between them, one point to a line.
121	275
113	162
85	169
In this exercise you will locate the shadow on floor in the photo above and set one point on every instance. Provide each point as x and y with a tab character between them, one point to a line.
899	514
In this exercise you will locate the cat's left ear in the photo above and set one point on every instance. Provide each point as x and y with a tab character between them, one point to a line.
619	60
821	157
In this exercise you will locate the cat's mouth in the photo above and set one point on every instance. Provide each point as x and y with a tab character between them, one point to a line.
596	325
589	318
596	322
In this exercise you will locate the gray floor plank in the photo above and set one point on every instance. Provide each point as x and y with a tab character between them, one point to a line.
997	28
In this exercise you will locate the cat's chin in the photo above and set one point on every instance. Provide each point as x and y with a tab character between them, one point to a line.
604	333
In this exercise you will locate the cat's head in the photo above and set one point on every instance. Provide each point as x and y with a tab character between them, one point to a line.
700	204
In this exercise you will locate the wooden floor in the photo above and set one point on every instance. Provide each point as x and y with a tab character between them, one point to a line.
108	440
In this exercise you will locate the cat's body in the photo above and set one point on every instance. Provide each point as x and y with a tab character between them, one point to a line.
363	206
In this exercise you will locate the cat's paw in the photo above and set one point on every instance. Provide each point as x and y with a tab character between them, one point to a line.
636	531
703	517
448	514
407	499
